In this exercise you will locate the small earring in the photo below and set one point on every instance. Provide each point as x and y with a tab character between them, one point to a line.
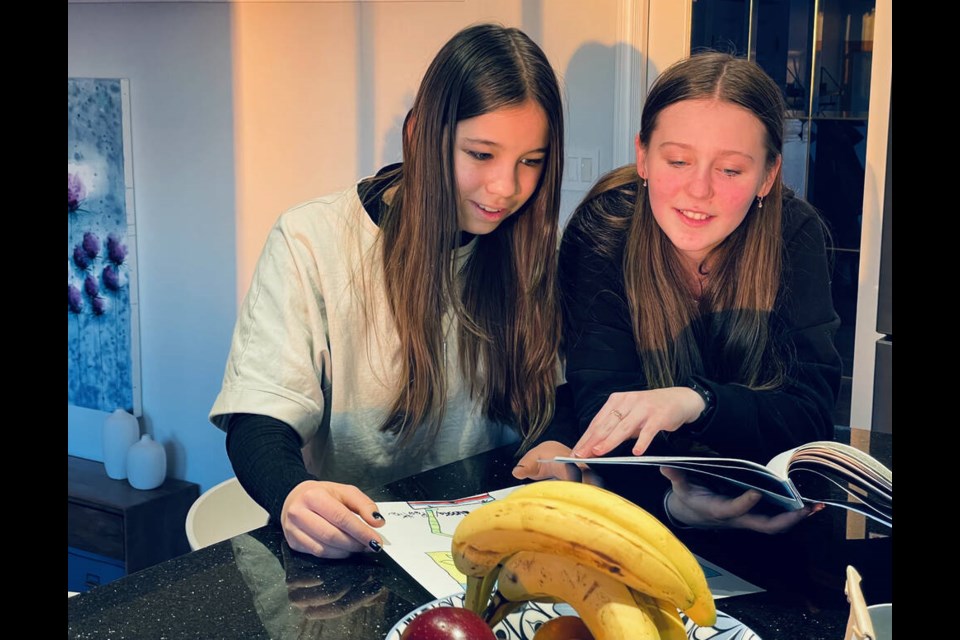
759	202
644	183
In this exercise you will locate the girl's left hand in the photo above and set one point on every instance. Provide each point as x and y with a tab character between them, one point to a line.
640	415
696	506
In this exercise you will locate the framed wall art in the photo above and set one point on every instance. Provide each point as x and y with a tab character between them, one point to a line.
103	353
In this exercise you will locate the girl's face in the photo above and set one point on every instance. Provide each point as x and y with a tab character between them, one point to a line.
705	165
498	160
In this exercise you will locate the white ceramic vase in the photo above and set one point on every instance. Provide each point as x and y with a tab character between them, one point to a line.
120	431
146	464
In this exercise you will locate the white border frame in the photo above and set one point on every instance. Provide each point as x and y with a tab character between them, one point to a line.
127	132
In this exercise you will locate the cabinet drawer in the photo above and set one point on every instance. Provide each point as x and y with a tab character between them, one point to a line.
110	519
88	570
95	530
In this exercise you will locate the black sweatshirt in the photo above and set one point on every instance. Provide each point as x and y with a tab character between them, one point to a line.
601	354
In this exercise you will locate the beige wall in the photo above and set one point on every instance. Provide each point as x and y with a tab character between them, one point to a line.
321	90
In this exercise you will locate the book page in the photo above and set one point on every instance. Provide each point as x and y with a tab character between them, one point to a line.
866	481
852	455
867	501
780	463
418	537
733	472
842	475
875	474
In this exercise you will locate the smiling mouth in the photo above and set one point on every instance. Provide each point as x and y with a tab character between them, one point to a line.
490	210
693	215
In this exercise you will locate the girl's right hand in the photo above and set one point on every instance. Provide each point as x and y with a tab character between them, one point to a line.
321	518
638	414
530	467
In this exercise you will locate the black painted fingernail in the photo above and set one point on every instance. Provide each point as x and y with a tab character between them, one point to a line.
375	545
377	515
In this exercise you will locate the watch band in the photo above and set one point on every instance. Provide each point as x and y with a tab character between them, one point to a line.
709	400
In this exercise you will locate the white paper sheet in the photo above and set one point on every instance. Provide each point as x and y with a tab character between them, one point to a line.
418	535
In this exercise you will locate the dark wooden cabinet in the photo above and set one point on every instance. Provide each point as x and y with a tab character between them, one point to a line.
114	529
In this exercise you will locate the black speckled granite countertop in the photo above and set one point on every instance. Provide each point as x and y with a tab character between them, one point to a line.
253	586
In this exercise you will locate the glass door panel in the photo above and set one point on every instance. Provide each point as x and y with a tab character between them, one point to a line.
820	53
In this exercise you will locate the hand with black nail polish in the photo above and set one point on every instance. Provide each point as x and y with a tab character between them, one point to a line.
330	520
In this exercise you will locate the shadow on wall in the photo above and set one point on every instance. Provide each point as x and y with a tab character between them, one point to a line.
392	150
593	147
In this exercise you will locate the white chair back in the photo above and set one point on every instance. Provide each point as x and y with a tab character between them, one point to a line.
221	512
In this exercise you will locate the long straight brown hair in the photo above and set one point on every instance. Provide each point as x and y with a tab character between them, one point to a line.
504	296
744	269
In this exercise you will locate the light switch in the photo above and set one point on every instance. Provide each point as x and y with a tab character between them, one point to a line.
586	170
580	168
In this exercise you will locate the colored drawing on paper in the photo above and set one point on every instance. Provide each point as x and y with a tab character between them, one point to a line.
418	536
444	560
430	508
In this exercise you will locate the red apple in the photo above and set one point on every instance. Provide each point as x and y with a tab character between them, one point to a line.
447	623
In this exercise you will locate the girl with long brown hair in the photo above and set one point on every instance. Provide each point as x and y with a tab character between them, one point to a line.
698	315
410	320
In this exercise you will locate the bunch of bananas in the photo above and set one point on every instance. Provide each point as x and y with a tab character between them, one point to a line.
619	567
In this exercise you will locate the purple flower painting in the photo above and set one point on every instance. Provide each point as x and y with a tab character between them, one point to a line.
102	323
76	192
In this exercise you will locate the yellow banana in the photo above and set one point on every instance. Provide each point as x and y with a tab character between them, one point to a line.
496	530
642	523
605	604
665	616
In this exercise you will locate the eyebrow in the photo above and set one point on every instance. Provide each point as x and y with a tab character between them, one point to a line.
725	152
497	144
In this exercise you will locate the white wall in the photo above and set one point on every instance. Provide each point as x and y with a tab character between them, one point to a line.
178	60
241	110
868	285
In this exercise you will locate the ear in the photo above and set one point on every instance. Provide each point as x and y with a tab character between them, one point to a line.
406	130
408	123
641	157
771	176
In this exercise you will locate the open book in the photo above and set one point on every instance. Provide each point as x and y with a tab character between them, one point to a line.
865	485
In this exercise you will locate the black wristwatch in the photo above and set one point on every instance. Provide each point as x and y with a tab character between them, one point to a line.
709	400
